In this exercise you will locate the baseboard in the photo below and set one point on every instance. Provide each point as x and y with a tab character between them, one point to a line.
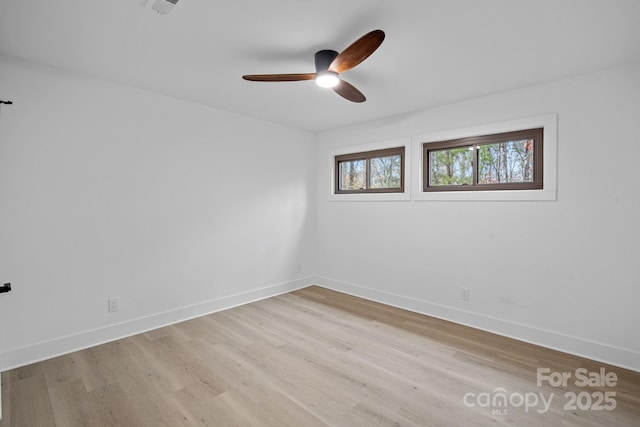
62	345
623	358
616	356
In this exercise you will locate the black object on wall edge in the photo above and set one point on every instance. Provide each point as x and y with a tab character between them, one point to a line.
5	288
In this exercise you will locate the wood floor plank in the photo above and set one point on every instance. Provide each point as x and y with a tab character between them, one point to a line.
313	357
6	408
30	404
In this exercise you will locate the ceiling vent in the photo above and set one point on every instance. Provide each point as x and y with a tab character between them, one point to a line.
164	6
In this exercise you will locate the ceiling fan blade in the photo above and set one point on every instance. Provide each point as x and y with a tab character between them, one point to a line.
357	52
349	92
279	77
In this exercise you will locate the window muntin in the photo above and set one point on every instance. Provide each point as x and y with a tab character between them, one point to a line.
379	171
505	161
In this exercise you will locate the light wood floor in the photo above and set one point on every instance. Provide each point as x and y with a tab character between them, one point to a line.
313	357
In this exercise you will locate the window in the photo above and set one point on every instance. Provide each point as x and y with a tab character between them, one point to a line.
504	161
379	171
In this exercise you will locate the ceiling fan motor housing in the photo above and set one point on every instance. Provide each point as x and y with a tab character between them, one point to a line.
324	58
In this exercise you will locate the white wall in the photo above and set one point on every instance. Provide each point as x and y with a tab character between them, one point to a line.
109	191
564	274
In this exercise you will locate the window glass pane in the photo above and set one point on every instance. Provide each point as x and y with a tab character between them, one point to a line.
510	161
451	167
385	172
353	174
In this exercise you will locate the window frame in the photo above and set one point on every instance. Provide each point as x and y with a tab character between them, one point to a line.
548	121
474	142
367	156
359	147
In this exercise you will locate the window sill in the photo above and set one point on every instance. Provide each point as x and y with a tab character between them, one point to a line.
370	197
498	195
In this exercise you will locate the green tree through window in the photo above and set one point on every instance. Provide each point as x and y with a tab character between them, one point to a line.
379	171
506	161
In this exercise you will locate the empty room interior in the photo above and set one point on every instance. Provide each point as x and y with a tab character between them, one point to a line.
293	213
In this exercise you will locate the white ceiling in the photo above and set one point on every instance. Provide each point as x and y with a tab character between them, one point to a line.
435	52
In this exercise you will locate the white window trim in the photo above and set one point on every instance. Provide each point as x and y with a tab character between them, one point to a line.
373	197
550	136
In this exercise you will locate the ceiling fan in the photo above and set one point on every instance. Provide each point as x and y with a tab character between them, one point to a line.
330	64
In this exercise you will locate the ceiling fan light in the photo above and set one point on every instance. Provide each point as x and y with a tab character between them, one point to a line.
327	79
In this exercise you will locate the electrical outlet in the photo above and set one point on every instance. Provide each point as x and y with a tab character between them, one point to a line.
114	304
464	294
